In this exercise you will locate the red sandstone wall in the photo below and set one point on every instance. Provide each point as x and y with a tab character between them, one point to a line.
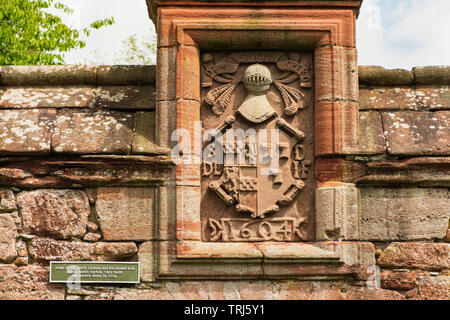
79	171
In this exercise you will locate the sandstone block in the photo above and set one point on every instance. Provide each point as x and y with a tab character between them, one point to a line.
92	237
98	133
8	233
165	84
433	288
375	75
371	137
26	131
236	290
145	257
126	75
336	74
433	97
48	75
92	227
403	214
399	280
187	82
337	213
432	75
144	134
28	283
44	97
383	98
125	97
57	213
45	249
428	256
7	200
417	133
125	213
364	293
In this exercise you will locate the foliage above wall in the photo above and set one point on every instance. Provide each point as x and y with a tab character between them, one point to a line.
30	35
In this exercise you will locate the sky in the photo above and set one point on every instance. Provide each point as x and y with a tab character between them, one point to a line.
390	33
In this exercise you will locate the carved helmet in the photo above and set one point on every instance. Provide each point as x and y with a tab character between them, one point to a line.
257	79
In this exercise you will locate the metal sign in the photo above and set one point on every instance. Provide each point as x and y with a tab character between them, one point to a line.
94	272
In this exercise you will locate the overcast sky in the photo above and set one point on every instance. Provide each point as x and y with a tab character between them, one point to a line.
390	33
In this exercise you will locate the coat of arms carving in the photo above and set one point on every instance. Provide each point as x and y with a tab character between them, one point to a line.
257	169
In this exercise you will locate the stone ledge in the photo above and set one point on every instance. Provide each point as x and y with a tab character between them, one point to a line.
146	75
91	171
432	75
77	75
379	76
375	75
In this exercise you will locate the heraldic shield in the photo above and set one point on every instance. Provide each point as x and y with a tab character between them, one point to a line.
256	164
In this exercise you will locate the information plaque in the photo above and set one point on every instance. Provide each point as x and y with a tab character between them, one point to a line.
94	272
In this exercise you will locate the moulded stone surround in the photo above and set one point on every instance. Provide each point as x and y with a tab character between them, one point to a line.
184	31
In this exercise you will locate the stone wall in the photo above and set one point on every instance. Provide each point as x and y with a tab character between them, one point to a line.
80	175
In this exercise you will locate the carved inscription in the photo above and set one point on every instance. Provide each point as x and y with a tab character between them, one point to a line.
258	153
242	230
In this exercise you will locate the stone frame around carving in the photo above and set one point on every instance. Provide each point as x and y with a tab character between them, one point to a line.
182	34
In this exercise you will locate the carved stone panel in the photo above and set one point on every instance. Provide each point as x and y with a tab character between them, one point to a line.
258	147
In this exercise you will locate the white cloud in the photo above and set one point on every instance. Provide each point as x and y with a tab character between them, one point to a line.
410	33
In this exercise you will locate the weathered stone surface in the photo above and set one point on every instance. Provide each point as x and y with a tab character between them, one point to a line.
45	249
417	133
126	75
101	132
42	97
403	214
145	135
7	200
57	213
336	68
236	290
375	75
125	213
93	293
419	172
433	97
92	237
371	137
166	77
335	171
26	131
145	257
432	75
373	294
126	97
337	213
91	171
92	227
399	280
8	233
433	288
387	98
28	283
428	256
48	75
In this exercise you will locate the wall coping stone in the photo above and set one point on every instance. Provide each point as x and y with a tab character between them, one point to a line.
77	75
379	76
116	75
